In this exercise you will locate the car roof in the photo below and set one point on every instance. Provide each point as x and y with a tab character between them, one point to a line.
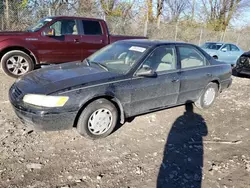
216	42
149	42
221	43
75	17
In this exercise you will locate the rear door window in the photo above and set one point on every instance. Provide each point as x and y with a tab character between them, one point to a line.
91	27
191	57
234	48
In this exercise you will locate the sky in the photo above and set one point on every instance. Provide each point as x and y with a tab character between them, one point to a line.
243	20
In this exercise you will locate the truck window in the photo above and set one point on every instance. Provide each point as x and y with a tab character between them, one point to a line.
65	27
91	27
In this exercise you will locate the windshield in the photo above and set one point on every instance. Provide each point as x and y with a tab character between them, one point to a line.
118	57
39	25
212	46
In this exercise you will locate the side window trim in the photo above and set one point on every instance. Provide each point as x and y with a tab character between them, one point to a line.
197	50
79	28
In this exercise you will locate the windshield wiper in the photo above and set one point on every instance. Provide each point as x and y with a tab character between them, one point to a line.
100	65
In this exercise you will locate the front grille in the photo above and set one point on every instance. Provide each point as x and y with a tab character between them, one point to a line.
15	93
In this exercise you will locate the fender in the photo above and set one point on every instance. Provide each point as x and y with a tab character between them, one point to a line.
8	43
110	96
216	80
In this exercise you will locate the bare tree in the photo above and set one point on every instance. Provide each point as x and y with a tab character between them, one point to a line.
219	13
108	6
159	11
176	8
150	16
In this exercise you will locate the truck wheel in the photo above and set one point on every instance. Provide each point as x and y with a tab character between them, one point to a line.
16	63
98	119
208	96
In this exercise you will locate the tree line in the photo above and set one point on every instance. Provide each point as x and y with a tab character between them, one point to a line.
216	15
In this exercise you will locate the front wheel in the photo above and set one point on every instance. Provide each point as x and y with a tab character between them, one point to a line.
208	96
98	119
16	63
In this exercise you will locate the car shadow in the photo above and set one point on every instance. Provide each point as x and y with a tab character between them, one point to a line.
183	154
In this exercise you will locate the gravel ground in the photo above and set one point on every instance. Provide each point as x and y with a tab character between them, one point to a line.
176	147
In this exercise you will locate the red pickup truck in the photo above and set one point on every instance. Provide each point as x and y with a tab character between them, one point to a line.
53	40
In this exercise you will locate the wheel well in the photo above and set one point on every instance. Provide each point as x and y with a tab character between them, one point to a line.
18	48
216	82
215	56
109	98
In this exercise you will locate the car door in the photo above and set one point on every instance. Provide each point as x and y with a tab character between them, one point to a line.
225	53
64	46
235	53
151	93
92	37
194	75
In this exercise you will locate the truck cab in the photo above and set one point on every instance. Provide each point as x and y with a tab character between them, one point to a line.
53	40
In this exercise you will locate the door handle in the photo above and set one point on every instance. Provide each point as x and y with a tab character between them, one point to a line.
209	74
175	80
76	41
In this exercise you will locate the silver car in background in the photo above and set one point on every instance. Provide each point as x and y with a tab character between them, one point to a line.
226	52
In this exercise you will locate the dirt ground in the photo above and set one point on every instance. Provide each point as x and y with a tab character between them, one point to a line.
170	148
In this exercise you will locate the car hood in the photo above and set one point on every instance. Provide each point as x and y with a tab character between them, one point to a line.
246	53
5	35
13	33
59	77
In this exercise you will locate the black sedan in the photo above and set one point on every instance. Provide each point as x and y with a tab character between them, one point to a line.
122	80
243	64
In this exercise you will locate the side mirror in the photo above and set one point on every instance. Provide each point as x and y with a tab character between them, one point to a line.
223	49
146	72
49	32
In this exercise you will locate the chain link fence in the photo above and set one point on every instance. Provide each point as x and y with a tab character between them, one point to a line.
15	17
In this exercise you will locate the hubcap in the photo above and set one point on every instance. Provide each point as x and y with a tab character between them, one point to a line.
17	65
100	121
209	96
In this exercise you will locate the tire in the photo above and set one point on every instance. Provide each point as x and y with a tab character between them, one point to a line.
100	108
201	103
11	59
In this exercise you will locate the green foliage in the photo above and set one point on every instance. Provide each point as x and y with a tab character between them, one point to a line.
24	3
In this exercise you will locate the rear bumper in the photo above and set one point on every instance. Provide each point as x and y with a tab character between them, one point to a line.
226	84
48	122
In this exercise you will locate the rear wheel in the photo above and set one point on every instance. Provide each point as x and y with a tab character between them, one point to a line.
208	96
16	63
98	119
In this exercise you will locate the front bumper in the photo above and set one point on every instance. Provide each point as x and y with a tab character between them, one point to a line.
46	122
245	71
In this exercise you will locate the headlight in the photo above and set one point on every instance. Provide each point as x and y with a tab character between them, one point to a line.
45	101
